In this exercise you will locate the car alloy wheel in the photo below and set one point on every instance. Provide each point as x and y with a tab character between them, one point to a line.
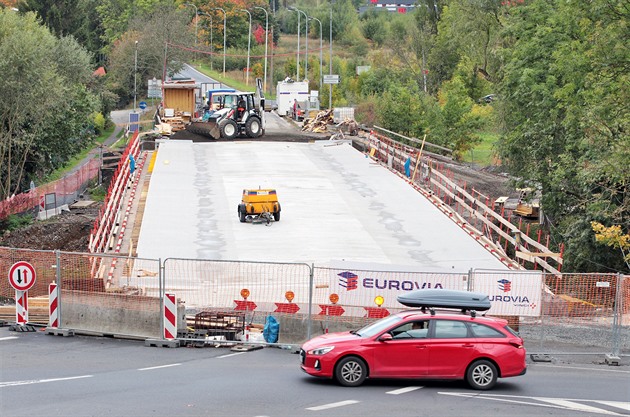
482	375
351	371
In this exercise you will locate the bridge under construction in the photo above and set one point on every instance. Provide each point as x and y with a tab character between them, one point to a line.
338	205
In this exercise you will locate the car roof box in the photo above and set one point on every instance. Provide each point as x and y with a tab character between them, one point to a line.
436	298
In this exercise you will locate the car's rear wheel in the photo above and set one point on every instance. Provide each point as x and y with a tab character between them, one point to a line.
482	375
351	371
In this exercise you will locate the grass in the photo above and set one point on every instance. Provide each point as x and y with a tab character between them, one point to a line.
483	153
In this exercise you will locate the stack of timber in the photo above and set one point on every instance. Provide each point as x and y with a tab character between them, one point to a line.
319	123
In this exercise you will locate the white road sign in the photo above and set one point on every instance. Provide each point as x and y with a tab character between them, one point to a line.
22	276
331	79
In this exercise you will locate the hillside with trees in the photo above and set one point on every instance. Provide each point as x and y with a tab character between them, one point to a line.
556	73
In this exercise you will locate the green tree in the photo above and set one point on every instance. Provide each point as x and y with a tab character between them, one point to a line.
69	17
401	109
470	32
44	114
454	125
153	31
564	95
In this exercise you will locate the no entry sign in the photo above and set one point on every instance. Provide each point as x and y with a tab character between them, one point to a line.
22	276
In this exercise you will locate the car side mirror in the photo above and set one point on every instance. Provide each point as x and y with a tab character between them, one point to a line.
385	337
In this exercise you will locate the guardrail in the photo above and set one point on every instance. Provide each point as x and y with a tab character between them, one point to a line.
474	212
103	230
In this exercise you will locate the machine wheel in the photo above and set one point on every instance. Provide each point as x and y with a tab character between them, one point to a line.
276	215
241	214
253	127
482	375
351	371
229	130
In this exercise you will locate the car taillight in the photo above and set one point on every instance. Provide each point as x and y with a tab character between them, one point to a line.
517	345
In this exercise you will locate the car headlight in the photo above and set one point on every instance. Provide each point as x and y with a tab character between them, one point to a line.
321	351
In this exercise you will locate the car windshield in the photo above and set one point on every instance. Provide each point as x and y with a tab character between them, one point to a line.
378	326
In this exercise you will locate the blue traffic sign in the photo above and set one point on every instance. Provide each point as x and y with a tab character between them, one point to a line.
143	105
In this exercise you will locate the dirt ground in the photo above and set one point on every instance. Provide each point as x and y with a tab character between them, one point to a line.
70	231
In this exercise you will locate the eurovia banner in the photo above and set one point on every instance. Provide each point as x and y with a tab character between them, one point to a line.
511	294
359	286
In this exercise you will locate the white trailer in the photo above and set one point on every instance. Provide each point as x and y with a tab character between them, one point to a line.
287	92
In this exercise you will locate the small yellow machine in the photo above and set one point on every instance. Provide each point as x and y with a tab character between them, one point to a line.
528	203
259	205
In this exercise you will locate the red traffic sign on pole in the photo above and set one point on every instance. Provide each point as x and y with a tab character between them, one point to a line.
22	276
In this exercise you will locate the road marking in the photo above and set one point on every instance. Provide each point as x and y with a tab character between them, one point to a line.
403	390
332	405
479	396
584	369
230	354
158	367
560	403
9	338
570	405
40	381
617	404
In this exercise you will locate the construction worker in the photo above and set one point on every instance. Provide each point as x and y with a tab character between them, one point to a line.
240	108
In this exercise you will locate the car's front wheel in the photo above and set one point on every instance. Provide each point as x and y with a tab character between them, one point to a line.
482	375
351	371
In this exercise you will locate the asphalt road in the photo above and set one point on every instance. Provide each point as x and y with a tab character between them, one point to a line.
86	376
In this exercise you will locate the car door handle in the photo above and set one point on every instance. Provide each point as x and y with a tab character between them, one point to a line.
468	345
421	347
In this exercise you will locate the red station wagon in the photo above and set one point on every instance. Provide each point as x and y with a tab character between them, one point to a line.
416	344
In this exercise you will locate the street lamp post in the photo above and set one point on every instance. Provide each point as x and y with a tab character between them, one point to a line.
224	27
266	41
196	18
306	18
135	73
249	43
211	46
321	66
330	60
297	55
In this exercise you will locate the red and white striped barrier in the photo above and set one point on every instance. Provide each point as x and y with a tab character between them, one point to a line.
21	307
123	225
53	299
170	316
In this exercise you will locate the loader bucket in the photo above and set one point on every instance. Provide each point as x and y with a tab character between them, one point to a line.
209	129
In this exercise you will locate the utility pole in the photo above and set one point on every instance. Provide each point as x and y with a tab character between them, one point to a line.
266	42
330	59
135	73
249	43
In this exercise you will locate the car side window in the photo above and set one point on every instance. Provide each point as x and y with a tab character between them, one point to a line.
481	330
411	330
450	329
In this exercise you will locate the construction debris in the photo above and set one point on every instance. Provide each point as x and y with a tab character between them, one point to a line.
319	123
351	126
324	118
